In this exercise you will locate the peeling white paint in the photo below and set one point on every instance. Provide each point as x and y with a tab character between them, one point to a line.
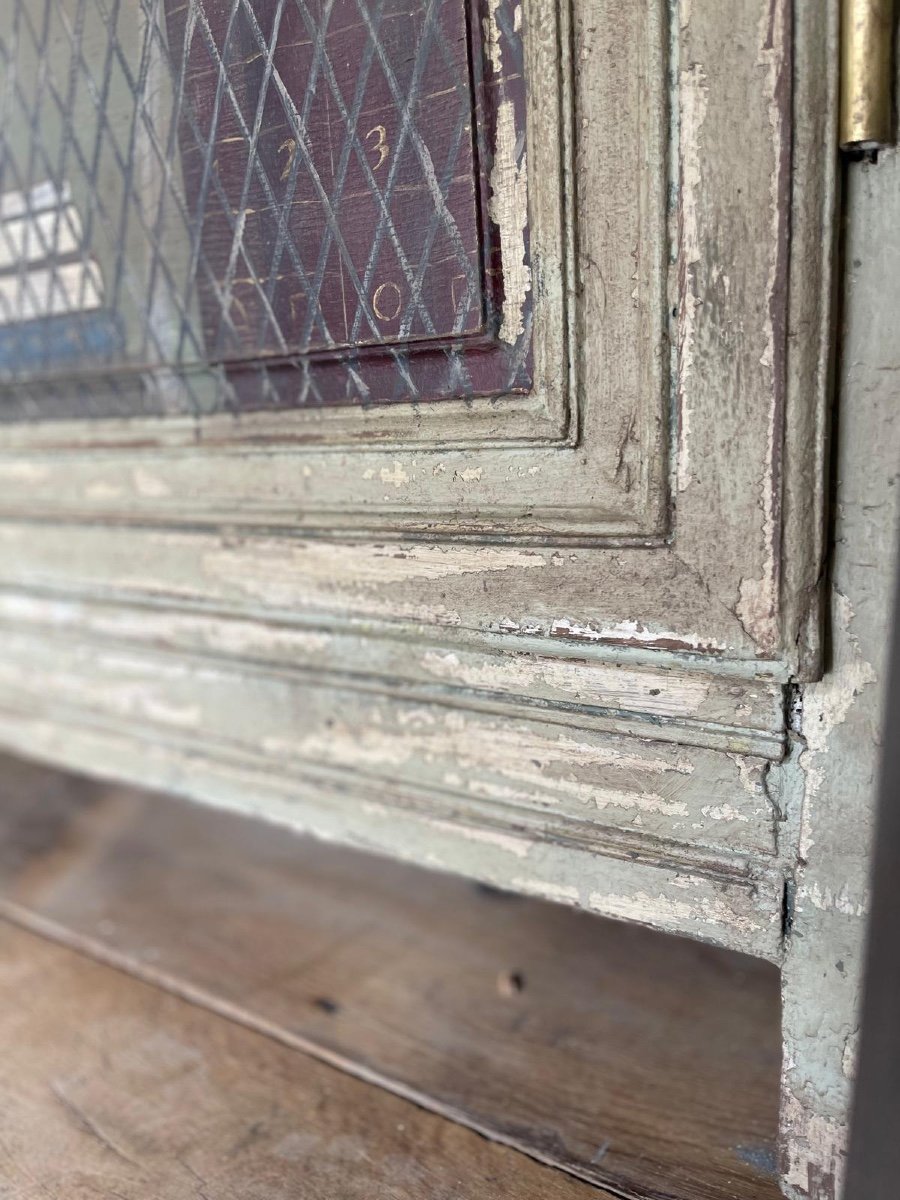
148	484
663	910
560	892
509	212
100	489
624	760
589	795
488	837
826	705
630	631
694	97
24	472
342	745
850	1056
527	628
724	812
289	574
509	191
492	37
828	899
395	475
749	773
816	1144
593	683
756	608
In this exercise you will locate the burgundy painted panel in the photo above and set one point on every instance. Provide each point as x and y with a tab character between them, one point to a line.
333	175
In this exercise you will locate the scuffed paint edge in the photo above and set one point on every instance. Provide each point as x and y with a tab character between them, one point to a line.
509	212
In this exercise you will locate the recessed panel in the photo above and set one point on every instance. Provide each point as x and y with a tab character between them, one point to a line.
328	164
210	204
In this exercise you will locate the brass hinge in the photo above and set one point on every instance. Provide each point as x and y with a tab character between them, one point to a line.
867	34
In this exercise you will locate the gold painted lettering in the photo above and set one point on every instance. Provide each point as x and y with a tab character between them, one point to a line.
380	144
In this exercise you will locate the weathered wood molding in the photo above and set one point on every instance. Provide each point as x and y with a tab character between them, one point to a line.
481	514
666	698
592	577
669	769
842	717
740	910
568	642
562	770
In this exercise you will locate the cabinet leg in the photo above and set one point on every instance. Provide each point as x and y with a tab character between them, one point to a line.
825	943
841	723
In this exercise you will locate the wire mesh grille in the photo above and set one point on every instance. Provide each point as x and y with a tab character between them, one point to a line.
185	183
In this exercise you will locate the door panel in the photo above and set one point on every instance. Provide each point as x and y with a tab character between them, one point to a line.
619	540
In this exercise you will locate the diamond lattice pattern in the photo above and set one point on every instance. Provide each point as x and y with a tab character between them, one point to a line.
195	181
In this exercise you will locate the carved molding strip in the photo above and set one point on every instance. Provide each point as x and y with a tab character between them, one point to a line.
566	775
678	701
693	896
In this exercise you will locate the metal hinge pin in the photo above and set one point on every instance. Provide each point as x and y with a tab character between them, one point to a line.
867	33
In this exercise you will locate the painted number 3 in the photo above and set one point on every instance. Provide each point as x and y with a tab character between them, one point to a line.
377	141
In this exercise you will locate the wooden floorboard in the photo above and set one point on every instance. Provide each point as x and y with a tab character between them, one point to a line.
113	1088
645	1063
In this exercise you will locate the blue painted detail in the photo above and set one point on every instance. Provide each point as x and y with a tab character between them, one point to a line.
763	1158
57	341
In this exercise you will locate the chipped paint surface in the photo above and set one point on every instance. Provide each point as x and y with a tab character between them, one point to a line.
631	632
842	715
723	812
693	93
518	847
834	899
617	685
491	28
395	475
561	893
287	575
816	1154
438	531
560	776
826	705
751	774
850	1056
508	204
24	472
702	910
509	212
757	599
150	484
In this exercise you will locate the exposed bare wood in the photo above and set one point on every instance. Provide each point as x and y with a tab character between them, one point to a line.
112	1087
645	1062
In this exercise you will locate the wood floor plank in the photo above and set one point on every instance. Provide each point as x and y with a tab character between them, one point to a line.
112	1088
644	1063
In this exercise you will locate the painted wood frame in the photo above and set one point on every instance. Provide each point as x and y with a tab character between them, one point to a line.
558	641
631	549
